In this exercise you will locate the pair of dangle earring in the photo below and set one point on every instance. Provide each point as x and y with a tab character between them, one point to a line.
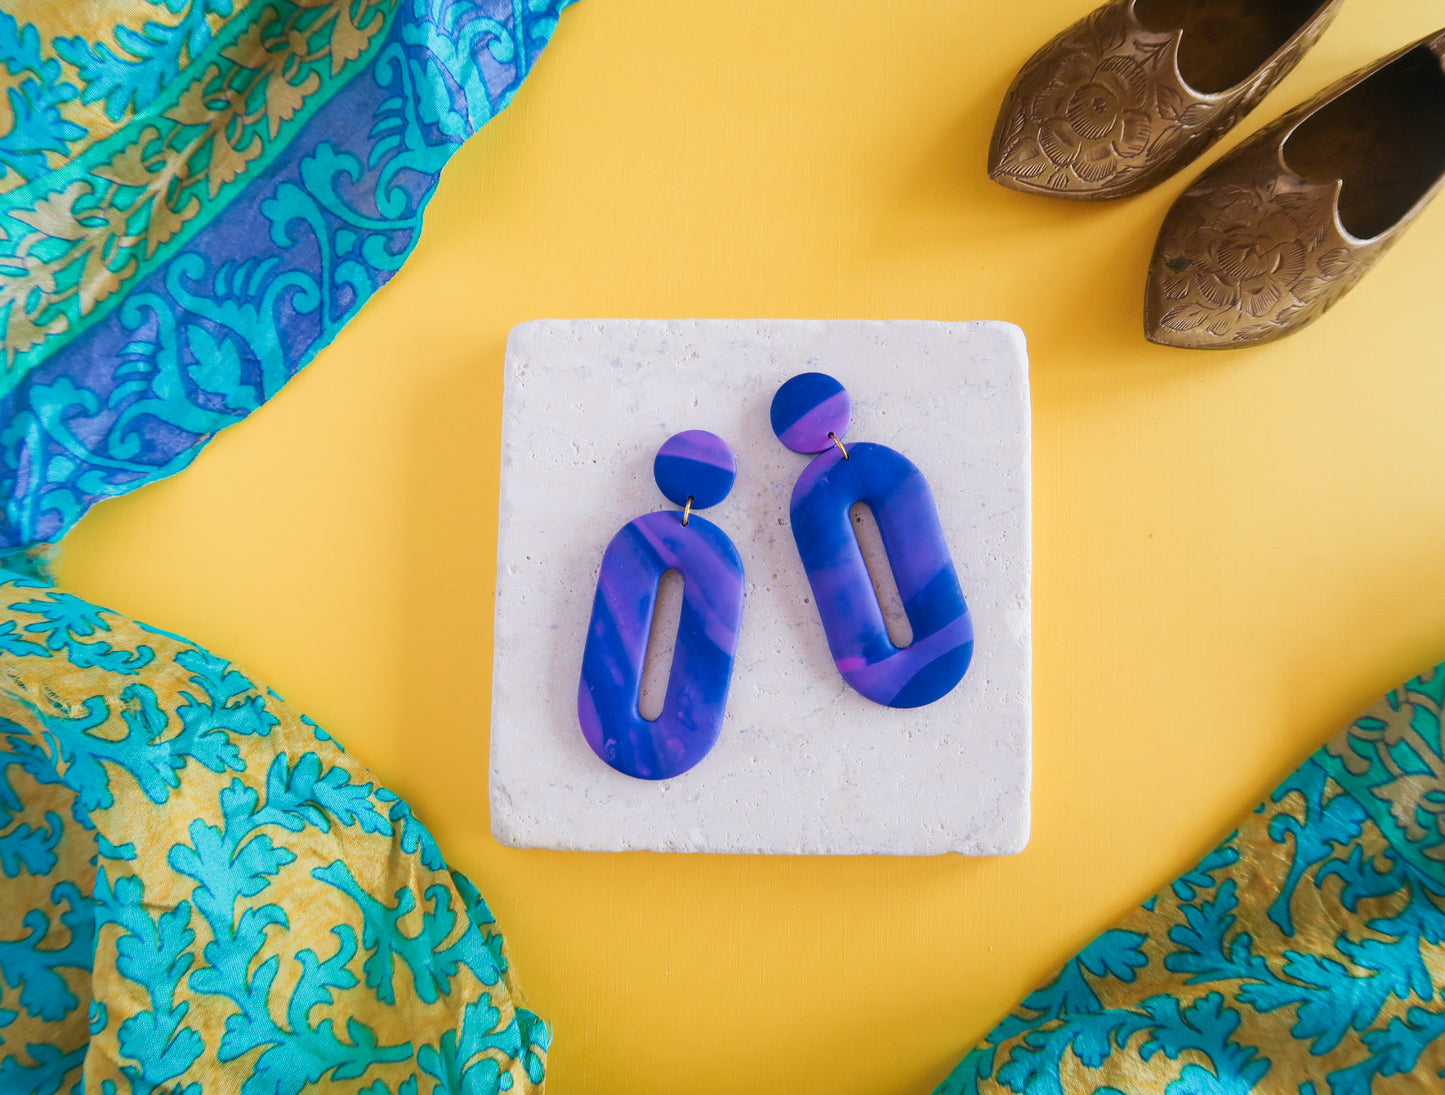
695	470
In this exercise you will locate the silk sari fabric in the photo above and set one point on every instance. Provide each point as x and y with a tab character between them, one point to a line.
199	890
1305	954
195	196
203	892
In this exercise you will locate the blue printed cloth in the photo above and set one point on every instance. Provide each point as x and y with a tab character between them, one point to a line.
195	196
201	891
1304	955
204	893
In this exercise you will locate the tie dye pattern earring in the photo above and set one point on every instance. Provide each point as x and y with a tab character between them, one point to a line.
810	414
695	470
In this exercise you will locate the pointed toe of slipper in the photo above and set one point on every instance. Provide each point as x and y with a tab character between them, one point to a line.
1081	115
1103	111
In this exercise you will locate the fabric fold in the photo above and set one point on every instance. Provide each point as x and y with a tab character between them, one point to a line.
195	197
203	892
1305	954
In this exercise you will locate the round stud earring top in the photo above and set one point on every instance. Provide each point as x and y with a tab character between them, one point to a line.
695	465
811	413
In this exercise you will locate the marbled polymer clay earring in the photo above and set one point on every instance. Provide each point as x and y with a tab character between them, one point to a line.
810	414
695	470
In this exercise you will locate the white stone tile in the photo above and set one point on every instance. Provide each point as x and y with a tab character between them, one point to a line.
804	765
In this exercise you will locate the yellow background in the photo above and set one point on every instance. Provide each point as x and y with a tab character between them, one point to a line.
1235	552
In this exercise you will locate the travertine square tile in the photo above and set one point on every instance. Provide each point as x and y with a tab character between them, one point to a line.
804	764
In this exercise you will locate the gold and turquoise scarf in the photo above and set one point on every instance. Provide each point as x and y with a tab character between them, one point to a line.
199	890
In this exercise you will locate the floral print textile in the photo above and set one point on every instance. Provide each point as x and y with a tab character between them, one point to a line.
195	196
202	892
199	890
1305	954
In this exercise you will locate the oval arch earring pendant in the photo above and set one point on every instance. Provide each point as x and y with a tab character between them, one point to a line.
694	470
811	414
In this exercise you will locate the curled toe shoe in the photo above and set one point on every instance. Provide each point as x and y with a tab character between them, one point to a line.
1276	232
1139	88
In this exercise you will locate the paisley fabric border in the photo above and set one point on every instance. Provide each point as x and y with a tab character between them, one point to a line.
205	338
134	197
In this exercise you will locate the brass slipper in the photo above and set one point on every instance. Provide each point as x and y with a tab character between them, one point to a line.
1279	230
1139	88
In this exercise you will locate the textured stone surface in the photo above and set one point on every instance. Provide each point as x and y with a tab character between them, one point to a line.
804	764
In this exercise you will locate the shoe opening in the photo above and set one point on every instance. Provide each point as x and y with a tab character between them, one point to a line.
1225	42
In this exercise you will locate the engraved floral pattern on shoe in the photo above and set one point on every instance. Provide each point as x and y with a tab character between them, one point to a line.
1102	110
1244	263
1081	112
1096	117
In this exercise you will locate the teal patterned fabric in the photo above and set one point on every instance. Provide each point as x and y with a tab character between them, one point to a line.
195	196
1306	954
203	892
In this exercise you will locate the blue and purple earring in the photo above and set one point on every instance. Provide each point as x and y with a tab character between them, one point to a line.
810	414
695	470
